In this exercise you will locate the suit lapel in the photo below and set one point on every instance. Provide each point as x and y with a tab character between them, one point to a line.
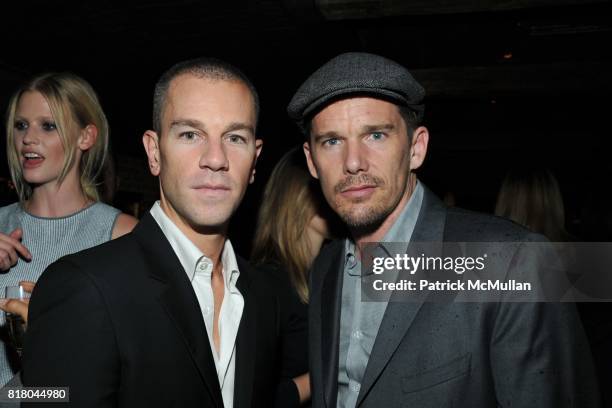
179	301
246	340
331	305
400	314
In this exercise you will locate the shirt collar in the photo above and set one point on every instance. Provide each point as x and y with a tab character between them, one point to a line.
190	255
403	227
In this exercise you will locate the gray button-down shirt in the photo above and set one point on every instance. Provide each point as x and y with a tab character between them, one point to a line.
360	320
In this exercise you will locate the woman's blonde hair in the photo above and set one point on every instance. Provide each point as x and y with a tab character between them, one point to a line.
290	200
74	105
533	199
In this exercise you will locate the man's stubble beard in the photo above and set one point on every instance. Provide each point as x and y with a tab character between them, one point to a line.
369	218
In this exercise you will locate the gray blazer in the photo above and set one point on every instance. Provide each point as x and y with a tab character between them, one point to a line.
454	354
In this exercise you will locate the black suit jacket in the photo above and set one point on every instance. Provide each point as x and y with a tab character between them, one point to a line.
121	326
454	354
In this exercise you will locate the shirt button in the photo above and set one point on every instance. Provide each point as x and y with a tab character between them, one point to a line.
207	310
355	387
357	334
202	267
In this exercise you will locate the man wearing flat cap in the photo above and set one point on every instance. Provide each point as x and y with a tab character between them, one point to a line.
361	115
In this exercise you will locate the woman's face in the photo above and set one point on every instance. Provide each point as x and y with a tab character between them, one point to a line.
37	140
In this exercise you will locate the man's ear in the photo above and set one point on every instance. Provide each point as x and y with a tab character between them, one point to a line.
418	150
150	140
258	147
88	137
311	166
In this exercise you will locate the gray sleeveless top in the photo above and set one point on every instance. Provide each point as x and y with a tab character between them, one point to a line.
48	239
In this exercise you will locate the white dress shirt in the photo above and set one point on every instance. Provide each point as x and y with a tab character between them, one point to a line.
199	271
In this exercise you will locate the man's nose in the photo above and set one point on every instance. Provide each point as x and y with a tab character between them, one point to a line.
214	156
355	160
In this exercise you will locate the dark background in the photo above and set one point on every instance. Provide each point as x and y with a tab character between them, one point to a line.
510	84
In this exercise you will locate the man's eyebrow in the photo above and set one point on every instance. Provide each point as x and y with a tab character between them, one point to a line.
327	135
234	126
377	128
188	122
196	124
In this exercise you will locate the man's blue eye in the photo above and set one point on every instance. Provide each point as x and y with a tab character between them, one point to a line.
377	135
331	142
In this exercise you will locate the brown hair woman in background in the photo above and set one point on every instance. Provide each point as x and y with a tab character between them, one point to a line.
532	198
293	223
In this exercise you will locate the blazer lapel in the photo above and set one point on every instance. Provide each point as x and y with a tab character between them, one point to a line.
331	305
246	341
400	314
179	301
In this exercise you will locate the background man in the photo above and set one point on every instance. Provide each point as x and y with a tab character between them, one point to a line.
168	315
361	114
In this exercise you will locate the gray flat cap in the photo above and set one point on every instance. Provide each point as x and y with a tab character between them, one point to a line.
356	73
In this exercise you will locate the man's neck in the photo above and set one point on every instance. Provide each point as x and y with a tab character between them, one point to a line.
377	234
210	243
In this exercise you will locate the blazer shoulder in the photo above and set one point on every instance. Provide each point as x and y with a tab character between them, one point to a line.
329	256
470	226
328	253
331	249
107	258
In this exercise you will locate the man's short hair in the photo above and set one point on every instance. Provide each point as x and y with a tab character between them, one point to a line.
206	68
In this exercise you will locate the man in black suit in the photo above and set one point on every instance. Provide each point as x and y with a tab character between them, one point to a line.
361	115
168	315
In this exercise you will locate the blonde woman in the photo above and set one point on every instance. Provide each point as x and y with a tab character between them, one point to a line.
57	143
292	225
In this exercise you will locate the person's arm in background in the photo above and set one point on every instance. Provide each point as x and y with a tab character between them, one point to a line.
302	384
11	248
16	306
